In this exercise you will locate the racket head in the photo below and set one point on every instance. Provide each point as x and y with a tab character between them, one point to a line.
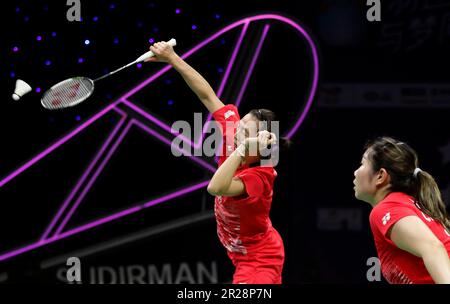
67	93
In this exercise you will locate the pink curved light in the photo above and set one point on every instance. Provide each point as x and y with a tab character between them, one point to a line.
124	100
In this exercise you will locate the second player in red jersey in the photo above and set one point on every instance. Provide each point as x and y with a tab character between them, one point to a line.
409	222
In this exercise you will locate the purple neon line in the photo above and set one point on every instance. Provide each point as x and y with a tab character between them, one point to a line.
175	194
247	76
13	253
252	64
165	69
169	143
224	80
221	88
119	111
315	57
97	222
137	88
65	234
131	210
85	175
100	168
93	224
155	120
76	188
55	145
258	17
94	177
232	59
308	38
83	178
185	55
146	82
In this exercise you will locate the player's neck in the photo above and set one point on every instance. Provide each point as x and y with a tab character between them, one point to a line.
379	196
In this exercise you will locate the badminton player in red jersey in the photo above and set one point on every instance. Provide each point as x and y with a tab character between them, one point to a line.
409	221
243	188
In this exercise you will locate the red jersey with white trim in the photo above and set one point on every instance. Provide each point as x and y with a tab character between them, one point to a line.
399	266
243	221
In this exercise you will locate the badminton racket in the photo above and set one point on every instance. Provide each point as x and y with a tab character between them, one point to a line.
73	91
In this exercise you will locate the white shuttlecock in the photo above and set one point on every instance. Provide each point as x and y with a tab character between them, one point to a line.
21	89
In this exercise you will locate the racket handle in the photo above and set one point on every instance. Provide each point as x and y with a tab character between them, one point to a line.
171	42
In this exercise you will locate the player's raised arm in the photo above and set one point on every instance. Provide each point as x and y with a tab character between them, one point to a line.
165	53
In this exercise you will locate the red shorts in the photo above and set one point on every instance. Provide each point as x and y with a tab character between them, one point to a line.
263	265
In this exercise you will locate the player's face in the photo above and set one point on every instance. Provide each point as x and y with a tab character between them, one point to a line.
365	180
248	127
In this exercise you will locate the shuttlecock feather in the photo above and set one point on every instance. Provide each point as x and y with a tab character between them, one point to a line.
21	89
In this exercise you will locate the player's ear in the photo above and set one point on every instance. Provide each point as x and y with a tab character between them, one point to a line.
383	177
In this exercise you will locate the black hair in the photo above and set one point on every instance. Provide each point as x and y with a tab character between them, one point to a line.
267	116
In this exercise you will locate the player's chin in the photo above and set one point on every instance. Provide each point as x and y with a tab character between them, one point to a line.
357	195
360	196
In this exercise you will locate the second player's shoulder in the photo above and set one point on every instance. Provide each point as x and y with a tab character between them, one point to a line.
397	199
393	207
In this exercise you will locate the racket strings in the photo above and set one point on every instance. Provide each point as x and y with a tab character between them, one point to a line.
68	93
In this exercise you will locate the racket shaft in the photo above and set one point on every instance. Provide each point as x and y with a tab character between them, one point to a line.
171	42
113	72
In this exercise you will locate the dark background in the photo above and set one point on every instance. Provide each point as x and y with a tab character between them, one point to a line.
376	78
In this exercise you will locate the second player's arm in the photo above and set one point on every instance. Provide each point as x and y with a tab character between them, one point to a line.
412	235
